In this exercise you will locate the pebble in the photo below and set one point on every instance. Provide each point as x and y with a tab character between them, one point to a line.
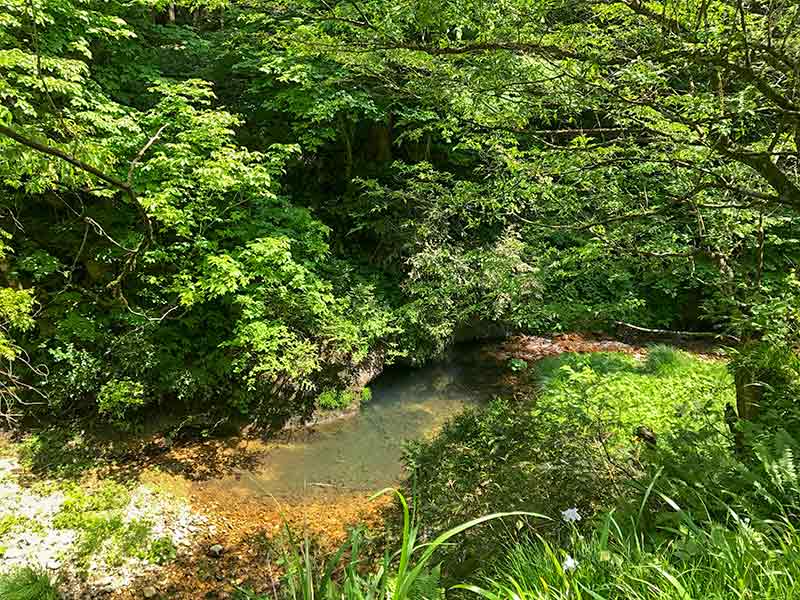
38	543
216	550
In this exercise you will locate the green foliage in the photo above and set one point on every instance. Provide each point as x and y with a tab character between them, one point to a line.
736	560
80	504
241	201
10	523
58	452
98	517
366	395
27	583
552	453
76	376
335	399
407	574
118	398
160	551
774	370
16	307
517	365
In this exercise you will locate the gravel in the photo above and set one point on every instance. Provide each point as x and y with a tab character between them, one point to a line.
34	541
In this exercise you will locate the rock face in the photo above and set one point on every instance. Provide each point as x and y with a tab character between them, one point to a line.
362	374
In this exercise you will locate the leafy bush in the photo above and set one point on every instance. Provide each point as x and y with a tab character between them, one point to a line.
27	583
366	395
118	398
75	377
335	399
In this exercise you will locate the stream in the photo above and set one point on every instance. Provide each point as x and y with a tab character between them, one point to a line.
362	452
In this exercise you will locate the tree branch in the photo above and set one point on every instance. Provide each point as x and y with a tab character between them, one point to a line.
56	152
124	186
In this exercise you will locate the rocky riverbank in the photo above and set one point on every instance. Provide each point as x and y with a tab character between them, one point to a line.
94	537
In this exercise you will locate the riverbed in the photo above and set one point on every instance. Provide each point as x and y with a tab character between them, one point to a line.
361	452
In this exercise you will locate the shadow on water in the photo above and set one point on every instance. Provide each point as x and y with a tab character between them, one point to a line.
359	453
362	452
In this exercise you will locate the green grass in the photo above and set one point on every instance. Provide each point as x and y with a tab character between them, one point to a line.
669	391
688	519
98	517
10	523
617	558
409	573
27	584
551	451
717	561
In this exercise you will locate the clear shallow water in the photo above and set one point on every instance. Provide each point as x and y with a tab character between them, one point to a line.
362	452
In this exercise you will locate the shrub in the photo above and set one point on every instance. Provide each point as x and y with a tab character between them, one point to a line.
666	360
75	377
335	399
27	583
366	395
118	398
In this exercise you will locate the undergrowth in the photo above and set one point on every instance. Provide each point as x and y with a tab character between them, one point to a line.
99	518
737	560
27	584
676	514
545	453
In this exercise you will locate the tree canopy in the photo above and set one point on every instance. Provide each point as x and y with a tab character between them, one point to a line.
231	206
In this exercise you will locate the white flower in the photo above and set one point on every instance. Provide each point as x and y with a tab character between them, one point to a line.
569	564
570	515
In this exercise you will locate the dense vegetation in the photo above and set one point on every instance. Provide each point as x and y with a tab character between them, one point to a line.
227	206
580	508
226	209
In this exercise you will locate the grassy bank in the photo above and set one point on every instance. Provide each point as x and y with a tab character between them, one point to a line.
623	482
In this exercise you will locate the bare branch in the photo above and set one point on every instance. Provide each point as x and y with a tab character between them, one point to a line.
142	152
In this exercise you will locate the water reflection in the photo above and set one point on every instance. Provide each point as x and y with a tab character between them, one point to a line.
362	452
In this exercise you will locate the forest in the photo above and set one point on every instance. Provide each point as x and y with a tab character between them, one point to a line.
227	216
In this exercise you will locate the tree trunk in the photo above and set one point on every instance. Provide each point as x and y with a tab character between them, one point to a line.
748	400
381	140
171	13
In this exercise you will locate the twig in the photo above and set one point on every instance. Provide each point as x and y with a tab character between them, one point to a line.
141	153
